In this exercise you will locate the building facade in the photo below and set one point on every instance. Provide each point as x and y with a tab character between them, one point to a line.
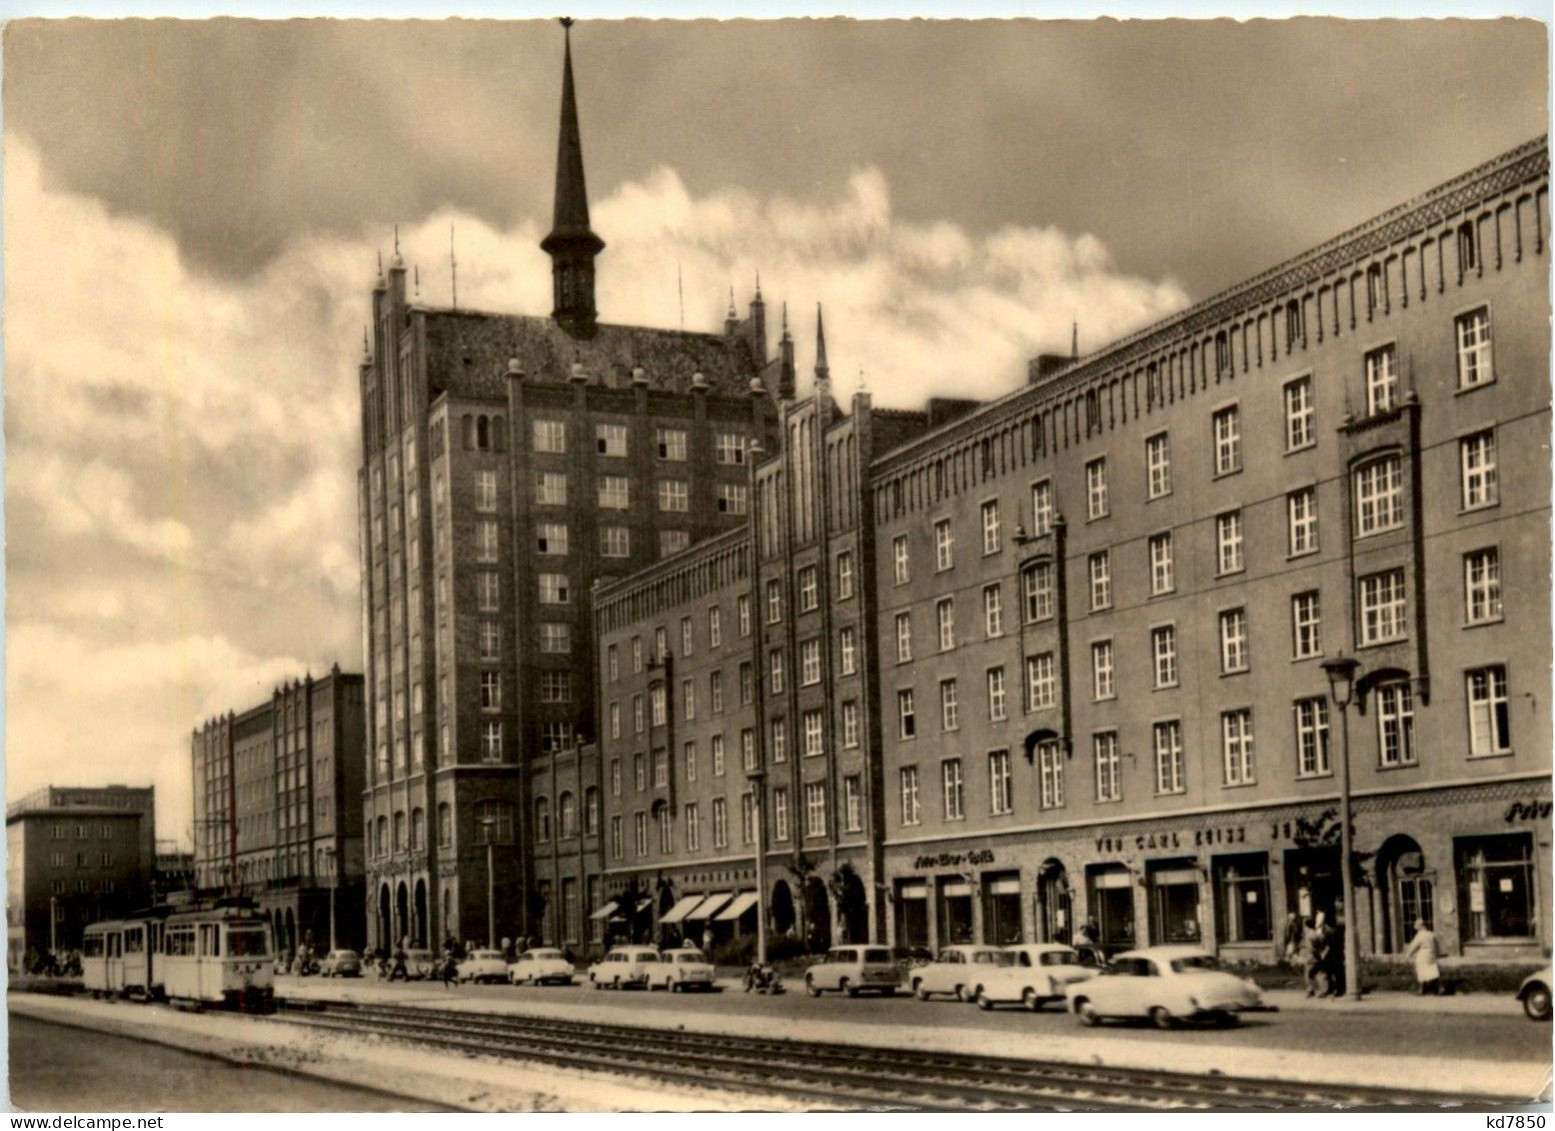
277	792
1106	600
510	461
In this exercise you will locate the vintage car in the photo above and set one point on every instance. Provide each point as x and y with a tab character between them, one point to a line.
421	963
850	969
958	971
1534	993
341	964
1037	974
483	966
1166	984
540	966
625	967
684	968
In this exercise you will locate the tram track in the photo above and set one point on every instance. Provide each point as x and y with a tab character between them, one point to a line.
829	1075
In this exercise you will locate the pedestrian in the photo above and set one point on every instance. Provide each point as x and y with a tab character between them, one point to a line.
1307	954
1290	941
1426	951
509	952
449	968
1088	943
1333	958
400	970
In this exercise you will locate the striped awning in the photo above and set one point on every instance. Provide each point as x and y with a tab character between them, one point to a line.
680	910
742	903
606	911
705	909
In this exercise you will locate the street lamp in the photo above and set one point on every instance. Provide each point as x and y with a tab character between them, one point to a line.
489	826
329	856
1341	684
758	780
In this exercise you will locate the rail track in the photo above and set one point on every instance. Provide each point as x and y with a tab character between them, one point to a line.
835	1076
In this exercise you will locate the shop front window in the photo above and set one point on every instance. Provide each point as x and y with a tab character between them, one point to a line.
1495	887
1001	909
955	911
1174	903
912	914
1242	886
1111	901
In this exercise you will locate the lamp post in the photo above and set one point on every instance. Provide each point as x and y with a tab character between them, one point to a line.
758	780
329	855
1341	684
489	826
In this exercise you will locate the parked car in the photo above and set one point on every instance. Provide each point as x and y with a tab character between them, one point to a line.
483	966
1534	993
1037	974
540	967
958	971
1166	984
625	967
685	968
420	963
851	969
341	964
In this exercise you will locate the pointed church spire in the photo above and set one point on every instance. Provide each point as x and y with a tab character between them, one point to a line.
1074	341
822	370
572	244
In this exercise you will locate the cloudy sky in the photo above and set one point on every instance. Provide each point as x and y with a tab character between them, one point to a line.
191	215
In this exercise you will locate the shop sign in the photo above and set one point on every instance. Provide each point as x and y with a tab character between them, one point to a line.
1476	897
1200	838
955	859
1528	811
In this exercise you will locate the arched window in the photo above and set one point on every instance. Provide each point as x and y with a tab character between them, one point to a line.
566	816
542	818
467	430
399	830
591	810
418	830
445	825
383	836
482	433
1292	324
1468	252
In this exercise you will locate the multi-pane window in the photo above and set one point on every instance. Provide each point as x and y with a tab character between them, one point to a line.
1311	737
615	492
1474	363
991	534
1109	783
1236	746
944	545
899	559
615	720
953	789
693	827
774	602
1158	465
610	439
556	638
844	575
637	653
485	541
656	696
1096	488
1041	681
688	696
1050	775
1382	394
1482	585
1233	640
998	708
1100	567
853	803
615	777
945	618
715	627
661	768
815	809
1036	583
732	498
1101	670
555	687
747	818
1301	515
949	712
742	608
485	490
674	495
1228	440
1041	507
814	734
1490	717
1382	606
615	541
809	663
720	823
551	538
686	636
993	611
1306	625
847	650
780	830
1163	651
550	436
1395	724
490	640
809	589
1379	496
491	741
1228	542
1477	458
729	448
850	731
907	725
638	723
1299	430
487	591
1168	757
778	743
999	791
747	682
912	810
554	589
775	670
672	443
716	754
1162	570
617	843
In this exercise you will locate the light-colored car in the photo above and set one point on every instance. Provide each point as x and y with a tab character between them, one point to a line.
539	967
625	967
1037	974
483	966
852	969
1534	993
684	968
421	963
341	964
958	971
1166	984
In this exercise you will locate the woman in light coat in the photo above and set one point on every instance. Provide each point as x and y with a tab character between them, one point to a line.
1425	951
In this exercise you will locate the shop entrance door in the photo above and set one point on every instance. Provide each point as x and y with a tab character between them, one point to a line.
1312	881
912	914
1055	913
1001	909
1174	904
955	912
1111	899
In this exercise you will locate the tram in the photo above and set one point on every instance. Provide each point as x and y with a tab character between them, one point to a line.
218	956
122	957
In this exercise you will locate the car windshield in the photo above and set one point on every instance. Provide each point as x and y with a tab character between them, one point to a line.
1195	963
690	956
242	943
1059	958
537	955
994	958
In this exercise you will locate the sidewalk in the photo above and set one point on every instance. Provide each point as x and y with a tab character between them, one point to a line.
1395	1001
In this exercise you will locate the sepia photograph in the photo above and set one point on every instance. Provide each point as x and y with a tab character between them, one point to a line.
777	565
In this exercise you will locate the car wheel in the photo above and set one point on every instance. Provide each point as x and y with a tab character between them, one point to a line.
1227	1021
848	988
1087	1012
918	991
810	987
595	984
1030	1000
983	1000
1537	1003
672	987
1160	1017
961	994
617	984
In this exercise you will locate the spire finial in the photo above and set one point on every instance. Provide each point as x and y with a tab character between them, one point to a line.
416	276
785	320
1074	341
398	262
822	370
732	314
367	351
758	284
572	244
380	264
453	266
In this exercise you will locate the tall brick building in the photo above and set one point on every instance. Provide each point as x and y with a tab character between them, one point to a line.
509	461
